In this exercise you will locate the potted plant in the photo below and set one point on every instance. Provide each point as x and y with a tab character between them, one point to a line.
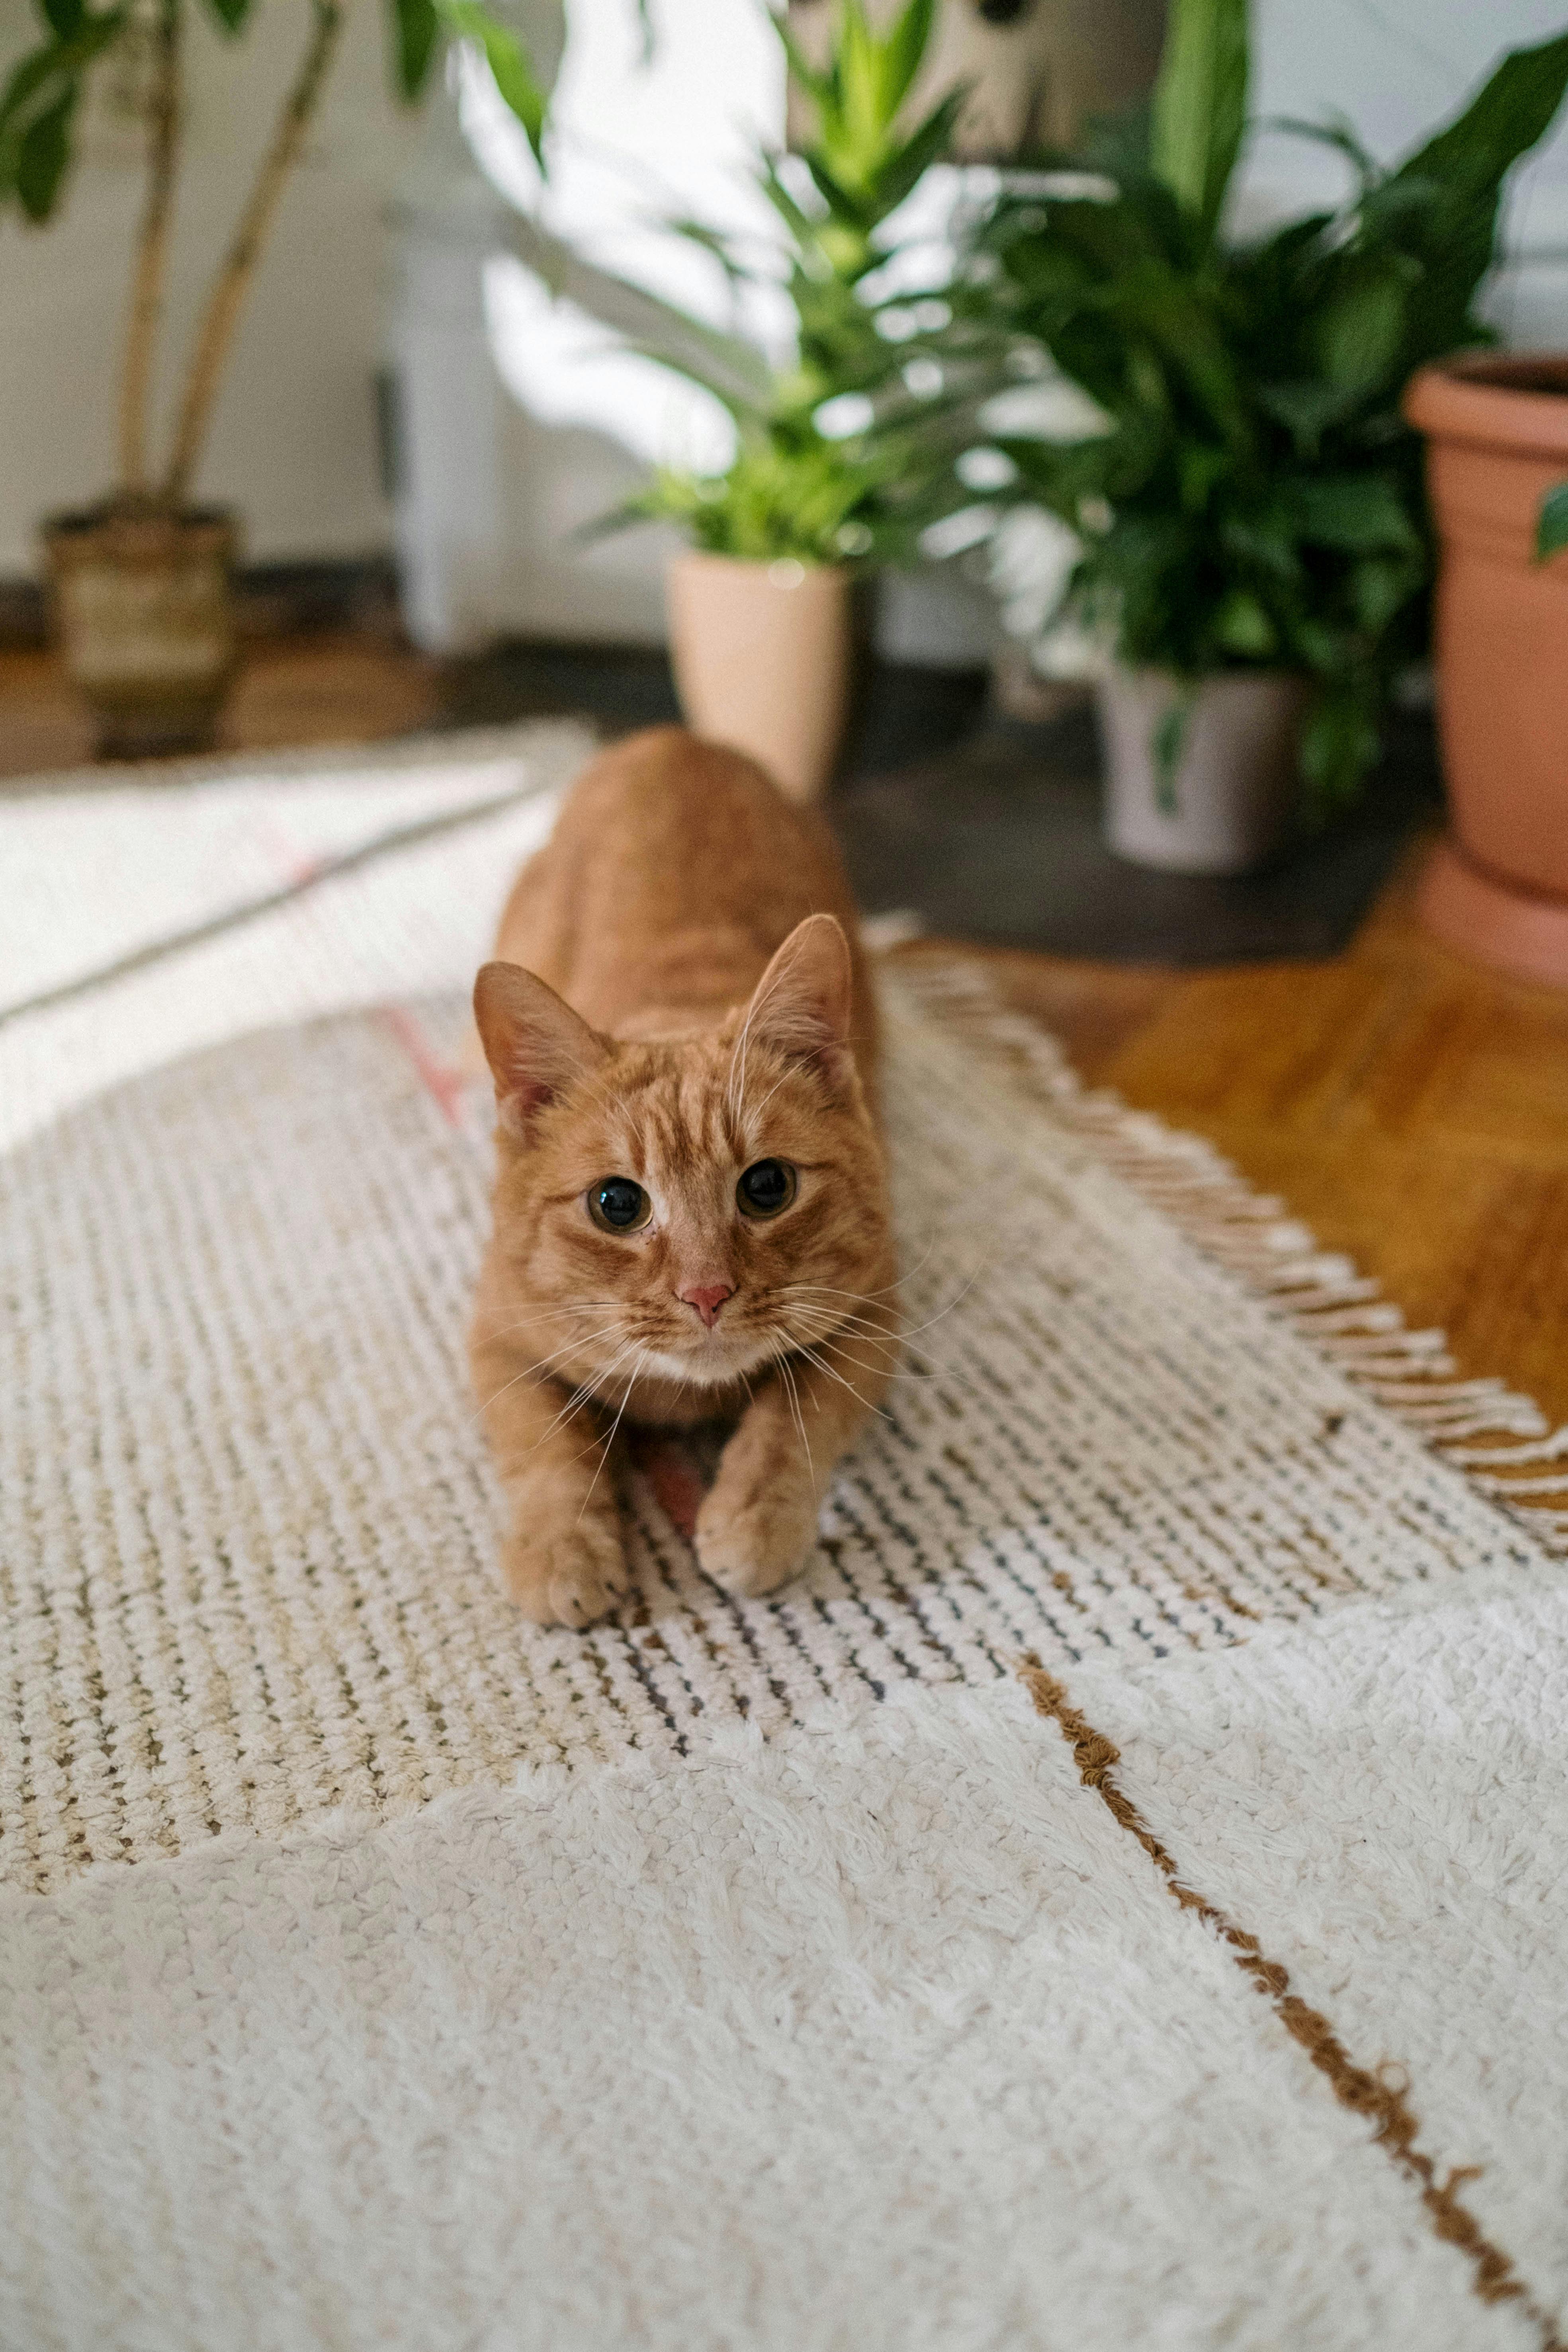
1497	442
843	444
141	581
1252	548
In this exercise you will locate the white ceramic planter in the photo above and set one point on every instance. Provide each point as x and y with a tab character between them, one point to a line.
761	655
1236	787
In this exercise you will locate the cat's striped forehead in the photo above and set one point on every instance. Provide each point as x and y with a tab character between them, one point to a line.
679	1108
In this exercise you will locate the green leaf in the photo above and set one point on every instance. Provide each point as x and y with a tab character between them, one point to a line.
1337	132
1358	335
1381	586
733	370
784	496
1441	205
509	64
858	77
903	52
1266	542
1359	513
36	109
43	155
842	202
1242	627
713	242
230	14
416	28
1155	302
863	171
926	146
30	75
1552	524
1200	103
816	84
1307	409
1200	468
1340	742
1168	744
1503	123
64	18
799	224
36	80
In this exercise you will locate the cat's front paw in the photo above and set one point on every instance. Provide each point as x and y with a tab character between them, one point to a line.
756	1545
565	1574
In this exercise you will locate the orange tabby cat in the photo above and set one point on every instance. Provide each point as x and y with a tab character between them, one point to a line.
690	1205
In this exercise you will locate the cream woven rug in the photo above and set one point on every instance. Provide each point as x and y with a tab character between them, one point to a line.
1118	1896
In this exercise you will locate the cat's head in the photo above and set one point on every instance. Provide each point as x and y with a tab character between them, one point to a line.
685	1209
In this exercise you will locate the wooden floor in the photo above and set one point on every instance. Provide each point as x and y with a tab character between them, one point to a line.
1411	1108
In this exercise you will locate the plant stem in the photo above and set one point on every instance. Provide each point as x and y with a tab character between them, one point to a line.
151	253
238	266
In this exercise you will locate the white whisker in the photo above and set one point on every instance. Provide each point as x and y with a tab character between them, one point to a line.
540	1369
783	1366
897	1283
863	1402
637	1367
581	1395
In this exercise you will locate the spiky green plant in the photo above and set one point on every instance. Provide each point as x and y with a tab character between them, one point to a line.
1254	499
796	488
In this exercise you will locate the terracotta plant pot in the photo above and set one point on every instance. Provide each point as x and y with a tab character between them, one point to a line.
1497	429
144	616
1236	790
762	657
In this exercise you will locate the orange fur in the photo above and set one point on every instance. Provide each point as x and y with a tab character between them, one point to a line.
679	993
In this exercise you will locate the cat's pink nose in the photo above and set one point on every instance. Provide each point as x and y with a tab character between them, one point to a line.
706	1300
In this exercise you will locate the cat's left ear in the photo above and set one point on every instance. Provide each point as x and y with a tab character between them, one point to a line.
536	1045
804	1002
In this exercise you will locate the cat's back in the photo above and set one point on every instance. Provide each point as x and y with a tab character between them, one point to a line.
674	869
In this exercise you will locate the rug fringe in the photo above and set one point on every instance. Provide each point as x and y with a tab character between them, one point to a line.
1342	1312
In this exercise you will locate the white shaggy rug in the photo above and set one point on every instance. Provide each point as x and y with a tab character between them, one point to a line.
1117	1897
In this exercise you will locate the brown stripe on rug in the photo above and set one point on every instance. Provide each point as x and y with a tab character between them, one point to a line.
1374	2093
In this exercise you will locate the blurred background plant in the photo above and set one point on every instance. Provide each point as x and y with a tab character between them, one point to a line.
845	436
39	107
1241	490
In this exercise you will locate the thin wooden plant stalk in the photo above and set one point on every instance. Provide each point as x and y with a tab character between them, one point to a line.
151	252
238	266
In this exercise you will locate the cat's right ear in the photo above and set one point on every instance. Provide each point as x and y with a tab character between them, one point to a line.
536	1045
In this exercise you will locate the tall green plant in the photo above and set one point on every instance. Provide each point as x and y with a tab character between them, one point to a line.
40	106
799	486
1254	498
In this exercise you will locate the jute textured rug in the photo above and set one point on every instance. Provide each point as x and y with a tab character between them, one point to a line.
1117	1896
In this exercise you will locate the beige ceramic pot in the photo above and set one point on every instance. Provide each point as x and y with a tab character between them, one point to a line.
1236	790
144	616
1497	428
762	657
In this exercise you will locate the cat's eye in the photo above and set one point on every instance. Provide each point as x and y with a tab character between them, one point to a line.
618	1205
766	1187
